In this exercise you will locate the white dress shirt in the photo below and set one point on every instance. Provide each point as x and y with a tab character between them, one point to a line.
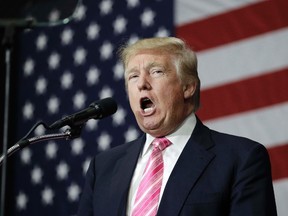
170	156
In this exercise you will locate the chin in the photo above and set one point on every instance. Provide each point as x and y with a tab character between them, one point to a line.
155	132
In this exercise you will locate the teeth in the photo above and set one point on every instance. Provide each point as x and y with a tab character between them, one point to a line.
148	109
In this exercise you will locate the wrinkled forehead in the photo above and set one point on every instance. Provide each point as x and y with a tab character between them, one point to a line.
148	57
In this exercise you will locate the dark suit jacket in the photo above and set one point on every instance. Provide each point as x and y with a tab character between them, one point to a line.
216	174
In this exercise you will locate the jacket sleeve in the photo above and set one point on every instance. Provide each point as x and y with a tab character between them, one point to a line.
252	192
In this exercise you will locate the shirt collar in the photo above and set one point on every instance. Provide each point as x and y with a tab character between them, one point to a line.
185	130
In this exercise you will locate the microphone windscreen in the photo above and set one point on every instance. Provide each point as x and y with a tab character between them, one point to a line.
108	106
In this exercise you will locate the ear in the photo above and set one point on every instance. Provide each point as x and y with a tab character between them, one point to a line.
189	89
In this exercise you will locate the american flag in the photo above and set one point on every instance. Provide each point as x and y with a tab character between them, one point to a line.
242	49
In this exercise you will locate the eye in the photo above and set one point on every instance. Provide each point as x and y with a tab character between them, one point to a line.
157	72
132	76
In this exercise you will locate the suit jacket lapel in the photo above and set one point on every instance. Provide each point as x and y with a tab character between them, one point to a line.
124	172
189	167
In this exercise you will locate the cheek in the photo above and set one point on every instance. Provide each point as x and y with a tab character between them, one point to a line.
133	99
130	91
173	101
172	94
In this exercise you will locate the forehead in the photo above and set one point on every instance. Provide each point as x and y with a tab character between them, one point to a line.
148	58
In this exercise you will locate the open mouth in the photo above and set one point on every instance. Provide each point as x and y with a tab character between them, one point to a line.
146	104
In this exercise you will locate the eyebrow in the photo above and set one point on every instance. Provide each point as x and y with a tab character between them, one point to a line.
147	68
127	72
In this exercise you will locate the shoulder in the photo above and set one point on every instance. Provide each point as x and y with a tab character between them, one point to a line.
222	139
234	142
239	149
230	139
228	145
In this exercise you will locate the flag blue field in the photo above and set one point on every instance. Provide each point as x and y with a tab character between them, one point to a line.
61	71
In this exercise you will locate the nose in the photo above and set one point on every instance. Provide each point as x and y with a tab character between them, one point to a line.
143	82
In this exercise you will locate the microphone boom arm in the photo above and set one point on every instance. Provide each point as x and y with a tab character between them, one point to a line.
97	110
70	133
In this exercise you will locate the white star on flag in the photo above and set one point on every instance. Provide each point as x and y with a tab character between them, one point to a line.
53	105
21	201
80	13
80	56
132	3
25	156
106	50
93	31
29	67
62	170
73	192
120	25
54	61
119	116
54	15
79	100
118	71
77	146
41	42
36	175
104	141
47	196
106	7
51	150
147	17
92	76
28	110
131	134
41	85
66	80
67	36
106	92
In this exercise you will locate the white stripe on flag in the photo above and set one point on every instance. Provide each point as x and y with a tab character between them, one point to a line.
266	125
187	10
244	59
281	191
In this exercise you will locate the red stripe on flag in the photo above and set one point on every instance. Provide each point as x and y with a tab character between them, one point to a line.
235	25
279	161
244	95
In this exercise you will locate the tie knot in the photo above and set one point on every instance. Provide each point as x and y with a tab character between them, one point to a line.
161	143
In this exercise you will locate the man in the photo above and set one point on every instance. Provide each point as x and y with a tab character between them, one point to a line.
199	171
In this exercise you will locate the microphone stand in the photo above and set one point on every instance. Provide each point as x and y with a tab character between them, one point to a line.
8	40
11	24
71	133
8	43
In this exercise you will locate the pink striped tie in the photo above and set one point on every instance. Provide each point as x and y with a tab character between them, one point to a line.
147	197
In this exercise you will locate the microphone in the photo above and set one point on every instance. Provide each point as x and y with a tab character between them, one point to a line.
97	110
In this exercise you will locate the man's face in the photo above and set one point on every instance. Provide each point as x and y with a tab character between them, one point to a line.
157	97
